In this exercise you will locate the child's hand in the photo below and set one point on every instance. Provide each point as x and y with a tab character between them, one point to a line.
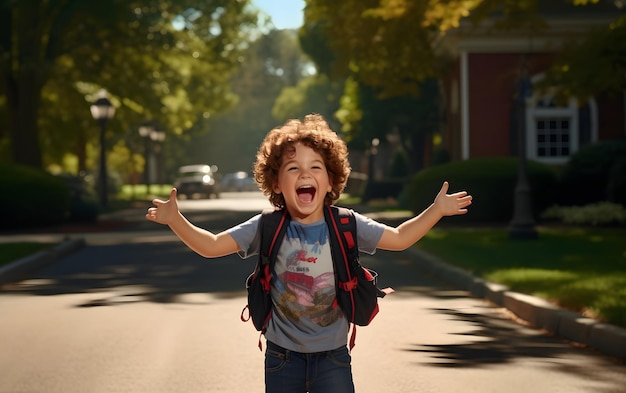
452	204
164	211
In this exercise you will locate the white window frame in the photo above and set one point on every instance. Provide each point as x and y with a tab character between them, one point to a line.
535	114
569	112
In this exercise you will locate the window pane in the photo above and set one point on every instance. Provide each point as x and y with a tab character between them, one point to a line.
552	136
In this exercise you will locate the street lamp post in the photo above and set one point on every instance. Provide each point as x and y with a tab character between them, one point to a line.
372	159
522	226
103	111
144	131
157	136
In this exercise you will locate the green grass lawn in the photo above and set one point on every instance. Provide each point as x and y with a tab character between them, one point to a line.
140	191
581	269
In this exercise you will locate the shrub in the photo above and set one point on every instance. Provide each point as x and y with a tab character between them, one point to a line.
598	214
31	197
399	166
616	186
491	181
440	156
589	177
356	184
84	204
383	189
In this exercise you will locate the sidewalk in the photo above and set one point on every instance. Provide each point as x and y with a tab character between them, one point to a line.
537	313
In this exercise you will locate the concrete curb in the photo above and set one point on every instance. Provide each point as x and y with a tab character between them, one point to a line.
539	313
20	268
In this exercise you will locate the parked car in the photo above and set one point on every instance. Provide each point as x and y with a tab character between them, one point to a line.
238	181
197	181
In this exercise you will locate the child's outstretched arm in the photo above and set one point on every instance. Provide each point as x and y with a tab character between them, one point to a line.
199	240
410	231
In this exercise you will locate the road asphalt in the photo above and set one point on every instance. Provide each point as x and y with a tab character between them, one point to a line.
532	311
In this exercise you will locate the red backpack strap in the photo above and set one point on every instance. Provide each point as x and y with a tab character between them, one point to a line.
345	251
343	241
342	238
273	226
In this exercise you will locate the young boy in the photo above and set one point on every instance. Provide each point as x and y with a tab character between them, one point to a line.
303	166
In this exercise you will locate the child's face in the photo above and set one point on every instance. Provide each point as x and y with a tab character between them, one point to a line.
303	180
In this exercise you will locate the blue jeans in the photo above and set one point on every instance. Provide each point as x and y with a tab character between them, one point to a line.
294	372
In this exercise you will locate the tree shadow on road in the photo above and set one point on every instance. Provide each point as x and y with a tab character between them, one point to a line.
496	340
129	273
495	335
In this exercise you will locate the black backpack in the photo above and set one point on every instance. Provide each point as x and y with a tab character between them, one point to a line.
357	293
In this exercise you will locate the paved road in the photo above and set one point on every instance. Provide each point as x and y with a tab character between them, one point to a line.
137	311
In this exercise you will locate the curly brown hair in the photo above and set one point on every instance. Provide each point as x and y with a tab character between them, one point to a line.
314	132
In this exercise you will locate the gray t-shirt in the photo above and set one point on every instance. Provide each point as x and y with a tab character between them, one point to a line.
303	285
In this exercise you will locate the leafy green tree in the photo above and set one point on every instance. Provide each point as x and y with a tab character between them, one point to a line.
391	45
164	60
314	94
585	67
412	120
594	66
272	63
388	50
387	45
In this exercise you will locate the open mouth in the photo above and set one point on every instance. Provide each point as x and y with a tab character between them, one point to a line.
305	194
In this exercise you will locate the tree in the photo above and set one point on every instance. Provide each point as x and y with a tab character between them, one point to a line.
166	60
391	45
412	120
387	45
313	94
592	66
273	62
388	51
586	66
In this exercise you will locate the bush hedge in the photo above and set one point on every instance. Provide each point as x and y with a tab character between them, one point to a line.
84	205
491	181
356	184
597	214
383	189
595	173
616	184
31	197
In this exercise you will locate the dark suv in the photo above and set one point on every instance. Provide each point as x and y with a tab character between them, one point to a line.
197	180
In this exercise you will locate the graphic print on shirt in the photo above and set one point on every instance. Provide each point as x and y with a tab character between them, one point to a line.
305	275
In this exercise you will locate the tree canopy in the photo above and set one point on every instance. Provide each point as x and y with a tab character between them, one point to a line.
594	65
272	65
391	45
387	50
168	61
